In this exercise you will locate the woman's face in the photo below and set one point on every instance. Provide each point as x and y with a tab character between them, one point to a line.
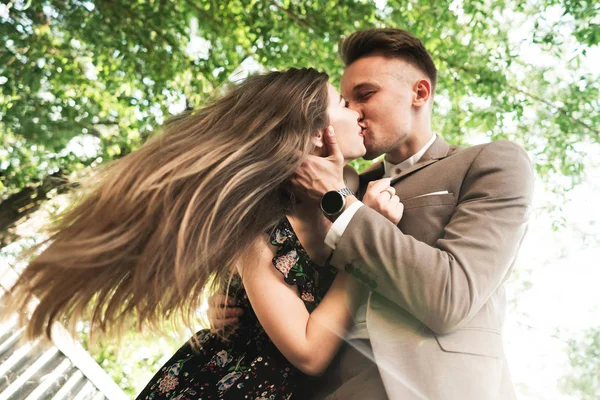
345	125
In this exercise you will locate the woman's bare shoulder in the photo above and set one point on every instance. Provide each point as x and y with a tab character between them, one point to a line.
259	256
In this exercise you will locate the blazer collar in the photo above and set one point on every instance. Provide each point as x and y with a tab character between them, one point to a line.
438	150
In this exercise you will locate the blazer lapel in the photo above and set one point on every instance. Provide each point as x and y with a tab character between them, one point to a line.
374	172
438	150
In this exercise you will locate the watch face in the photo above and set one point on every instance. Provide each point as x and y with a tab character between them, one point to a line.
332	202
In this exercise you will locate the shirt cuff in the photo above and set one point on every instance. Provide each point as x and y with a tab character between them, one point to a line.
341	223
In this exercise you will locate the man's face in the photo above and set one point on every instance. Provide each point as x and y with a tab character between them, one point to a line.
381	90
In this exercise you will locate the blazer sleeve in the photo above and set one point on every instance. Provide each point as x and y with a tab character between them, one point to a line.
444	286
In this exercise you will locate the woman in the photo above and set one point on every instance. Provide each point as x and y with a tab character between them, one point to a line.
208	203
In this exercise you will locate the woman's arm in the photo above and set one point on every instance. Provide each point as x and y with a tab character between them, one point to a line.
308	341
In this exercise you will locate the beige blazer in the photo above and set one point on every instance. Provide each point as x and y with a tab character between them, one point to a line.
437	304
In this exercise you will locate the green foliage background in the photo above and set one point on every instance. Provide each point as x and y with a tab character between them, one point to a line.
76	74
584	357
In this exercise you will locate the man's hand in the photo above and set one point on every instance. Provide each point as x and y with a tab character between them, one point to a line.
222	313
318	175
381	197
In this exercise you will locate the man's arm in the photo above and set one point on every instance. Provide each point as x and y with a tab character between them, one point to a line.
446	285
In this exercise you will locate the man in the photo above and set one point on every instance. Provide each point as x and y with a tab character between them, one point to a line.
434	317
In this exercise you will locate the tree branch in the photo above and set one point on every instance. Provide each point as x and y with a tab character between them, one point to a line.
217	25
292	16
561	110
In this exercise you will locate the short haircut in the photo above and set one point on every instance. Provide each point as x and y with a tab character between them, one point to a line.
391	43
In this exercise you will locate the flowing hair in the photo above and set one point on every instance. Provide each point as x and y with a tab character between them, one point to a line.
176	215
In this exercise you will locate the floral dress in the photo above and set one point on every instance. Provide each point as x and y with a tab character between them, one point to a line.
246	365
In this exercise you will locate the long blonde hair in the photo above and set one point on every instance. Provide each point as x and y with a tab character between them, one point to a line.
177	213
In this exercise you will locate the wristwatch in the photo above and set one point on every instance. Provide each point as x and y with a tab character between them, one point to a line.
333	202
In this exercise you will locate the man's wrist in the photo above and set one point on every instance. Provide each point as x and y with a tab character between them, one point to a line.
349	200
338	227
334	187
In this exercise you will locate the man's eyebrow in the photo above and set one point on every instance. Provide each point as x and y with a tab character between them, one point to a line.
366	85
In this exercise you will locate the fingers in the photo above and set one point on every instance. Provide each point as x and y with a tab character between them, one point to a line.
375	190
392	209
332	145
303	184
395	205
387	194
222	317
379	185
220	300
224	313
318	175
221	324
394	200
386	200
381	197
221	312
397	212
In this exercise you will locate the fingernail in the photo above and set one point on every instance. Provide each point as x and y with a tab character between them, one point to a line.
330	131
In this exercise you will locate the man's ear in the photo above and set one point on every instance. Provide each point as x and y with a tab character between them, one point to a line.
421	93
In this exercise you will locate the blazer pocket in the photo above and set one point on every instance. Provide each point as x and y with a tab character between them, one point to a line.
479	342
429	200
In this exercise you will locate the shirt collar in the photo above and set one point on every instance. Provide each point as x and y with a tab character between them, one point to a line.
391	170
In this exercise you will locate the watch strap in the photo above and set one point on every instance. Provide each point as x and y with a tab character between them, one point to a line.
345	192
